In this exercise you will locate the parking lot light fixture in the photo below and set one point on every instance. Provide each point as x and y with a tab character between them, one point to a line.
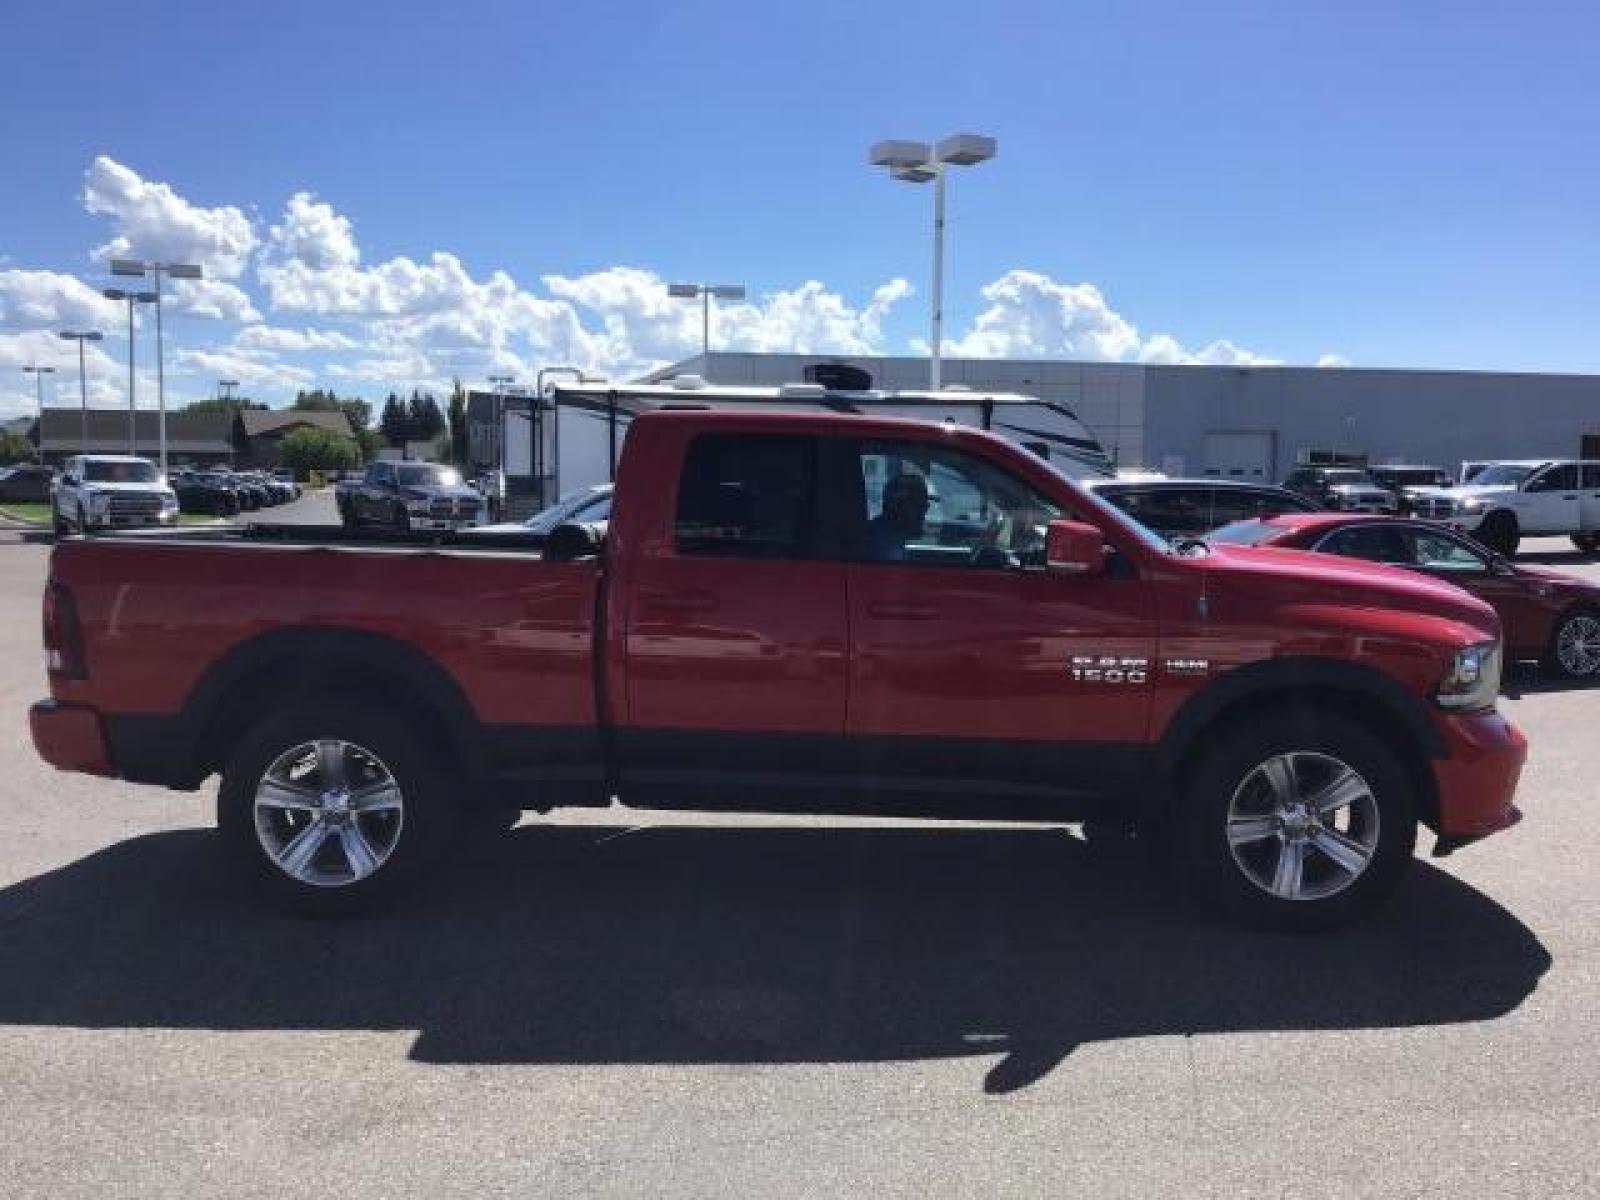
132	298
157	271
919	162
38	374
704	292
91	335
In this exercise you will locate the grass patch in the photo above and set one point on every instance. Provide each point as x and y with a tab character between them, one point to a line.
27	512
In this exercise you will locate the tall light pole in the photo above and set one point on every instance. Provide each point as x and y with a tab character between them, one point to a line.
918	162
83	383
38	374
225	389
157	270
704	291
132	298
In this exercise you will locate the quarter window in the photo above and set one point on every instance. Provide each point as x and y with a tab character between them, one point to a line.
748	496
1437	552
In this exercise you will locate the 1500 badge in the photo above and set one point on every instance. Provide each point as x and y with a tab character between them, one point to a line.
1094	668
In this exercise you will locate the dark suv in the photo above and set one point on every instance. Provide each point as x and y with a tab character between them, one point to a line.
1407	483
1193	507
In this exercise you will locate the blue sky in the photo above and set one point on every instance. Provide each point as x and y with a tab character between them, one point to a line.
1394	185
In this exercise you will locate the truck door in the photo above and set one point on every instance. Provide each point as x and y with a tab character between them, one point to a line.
1551	503
1589	505
735	634
971	674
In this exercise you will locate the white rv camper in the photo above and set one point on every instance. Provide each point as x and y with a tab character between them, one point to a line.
590	419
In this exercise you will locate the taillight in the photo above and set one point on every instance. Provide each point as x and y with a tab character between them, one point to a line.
63	636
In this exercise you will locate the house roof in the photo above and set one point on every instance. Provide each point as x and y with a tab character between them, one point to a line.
257	422
187	433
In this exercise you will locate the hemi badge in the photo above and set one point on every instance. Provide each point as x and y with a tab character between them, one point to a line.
1187	666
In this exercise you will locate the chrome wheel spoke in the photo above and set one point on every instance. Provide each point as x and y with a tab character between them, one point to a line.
358	852
275	793
376	797
1290	871
1339	793
1242	831
330	765
1279	774
301	850
1350	855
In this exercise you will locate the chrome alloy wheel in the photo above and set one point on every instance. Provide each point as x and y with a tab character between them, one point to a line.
1303	826
1578	645
328	813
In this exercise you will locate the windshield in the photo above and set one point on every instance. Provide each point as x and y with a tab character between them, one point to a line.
427	475
1246	533
1502	473
120	472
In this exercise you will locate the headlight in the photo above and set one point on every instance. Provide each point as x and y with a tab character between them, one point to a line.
420	506
169	503
99	502
1473	680
1472	504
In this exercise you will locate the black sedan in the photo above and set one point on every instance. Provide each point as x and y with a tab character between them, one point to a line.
199	492
26	483
1177	508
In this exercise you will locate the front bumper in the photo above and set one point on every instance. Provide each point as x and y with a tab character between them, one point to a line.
70	738
1477	781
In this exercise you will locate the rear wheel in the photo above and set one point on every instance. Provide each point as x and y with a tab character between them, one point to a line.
1501	533
1587	543
1303	822
333	807
59	522
401	519
1575	645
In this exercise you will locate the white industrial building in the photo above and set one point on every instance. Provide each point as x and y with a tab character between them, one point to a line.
1252	422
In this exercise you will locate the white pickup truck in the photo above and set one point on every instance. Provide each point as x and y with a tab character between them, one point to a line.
1509	500
105	491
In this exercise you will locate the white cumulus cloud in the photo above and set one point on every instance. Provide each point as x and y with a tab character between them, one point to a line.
277	338
228	364
31	299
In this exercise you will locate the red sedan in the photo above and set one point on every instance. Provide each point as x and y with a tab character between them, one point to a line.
1547	615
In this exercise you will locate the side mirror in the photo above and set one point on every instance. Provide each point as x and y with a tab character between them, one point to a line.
1074	548
575	540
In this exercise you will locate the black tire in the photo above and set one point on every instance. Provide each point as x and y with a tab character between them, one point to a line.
1579	658
58	522
1501	534
400	519
1226	790
347	515
1586	543
403	846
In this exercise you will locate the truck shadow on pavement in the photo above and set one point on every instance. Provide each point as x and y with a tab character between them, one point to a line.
563	944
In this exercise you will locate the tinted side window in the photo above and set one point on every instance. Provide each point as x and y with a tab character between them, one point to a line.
1380	543
1591	475
1556	479
748	496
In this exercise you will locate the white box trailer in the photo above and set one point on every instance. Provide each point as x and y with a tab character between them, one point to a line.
589	420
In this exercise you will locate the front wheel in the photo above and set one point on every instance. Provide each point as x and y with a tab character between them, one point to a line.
1299	823
1586	543
335	806
1575	645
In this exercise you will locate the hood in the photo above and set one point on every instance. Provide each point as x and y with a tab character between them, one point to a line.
97	486
1465	491
446	491
1306	577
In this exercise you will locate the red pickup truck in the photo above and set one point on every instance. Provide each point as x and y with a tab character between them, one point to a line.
825	614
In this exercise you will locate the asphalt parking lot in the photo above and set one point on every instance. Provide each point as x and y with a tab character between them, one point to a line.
624	1005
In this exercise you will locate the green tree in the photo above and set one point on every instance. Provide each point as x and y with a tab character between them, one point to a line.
306	450
370	442
14	447
458	425
395	423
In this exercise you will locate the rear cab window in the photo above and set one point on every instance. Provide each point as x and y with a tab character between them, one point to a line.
748	496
